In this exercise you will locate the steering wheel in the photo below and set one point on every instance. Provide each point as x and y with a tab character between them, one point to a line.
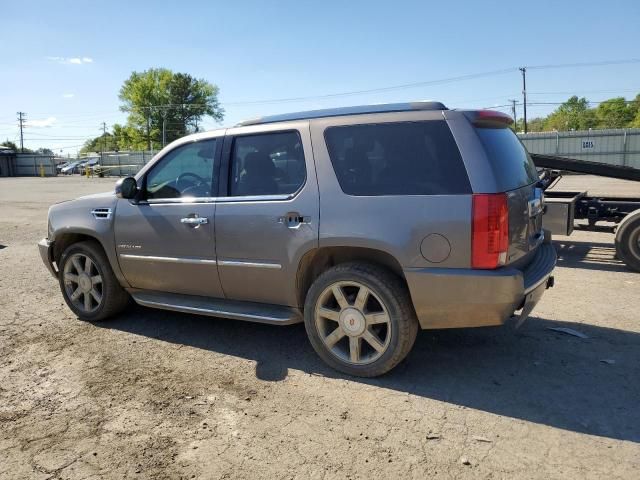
199	181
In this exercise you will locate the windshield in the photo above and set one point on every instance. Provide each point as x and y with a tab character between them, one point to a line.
511	162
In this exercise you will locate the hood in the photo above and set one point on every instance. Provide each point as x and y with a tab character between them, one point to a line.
86	202
101	195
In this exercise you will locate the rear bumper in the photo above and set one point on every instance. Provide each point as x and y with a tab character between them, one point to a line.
46	252
455	298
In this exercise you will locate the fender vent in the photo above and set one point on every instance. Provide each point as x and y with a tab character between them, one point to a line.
101	213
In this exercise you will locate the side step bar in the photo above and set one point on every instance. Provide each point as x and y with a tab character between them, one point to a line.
213	307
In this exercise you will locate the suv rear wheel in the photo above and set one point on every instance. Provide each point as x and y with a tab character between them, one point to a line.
360	319
88	284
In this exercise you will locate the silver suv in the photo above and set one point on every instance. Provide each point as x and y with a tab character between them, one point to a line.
365	223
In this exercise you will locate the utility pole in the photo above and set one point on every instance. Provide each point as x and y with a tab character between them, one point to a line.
524	95
164	128
513	112
21	120
148	115
104	139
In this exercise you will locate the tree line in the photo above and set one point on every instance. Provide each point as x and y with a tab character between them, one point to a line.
577	114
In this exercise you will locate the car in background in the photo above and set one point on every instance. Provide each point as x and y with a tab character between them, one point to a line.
60	166
69	168
91	164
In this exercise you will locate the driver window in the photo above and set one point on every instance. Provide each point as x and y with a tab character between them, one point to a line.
186	171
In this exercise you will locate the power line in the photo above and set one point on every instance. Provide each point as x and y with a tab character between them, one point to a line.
584	64
441	81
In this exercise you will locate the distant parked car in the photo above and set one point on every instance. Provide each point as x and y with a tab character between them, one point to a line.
69	168
91	164
60	166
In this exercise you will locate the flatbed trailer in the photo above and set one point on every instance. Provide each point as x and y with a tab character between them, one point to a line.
564	208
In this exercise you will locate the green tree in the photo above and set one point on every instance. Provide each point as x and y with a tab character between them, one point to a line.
158	96
536	124
106	142
635	123
10	145
616	113
44	151
574	114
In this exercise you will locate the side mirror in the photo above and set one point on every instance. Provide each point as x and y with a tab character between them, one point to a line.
126	188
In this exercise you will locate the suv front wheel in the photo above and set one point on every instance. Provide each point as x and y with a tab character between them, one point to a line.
359	319
88	284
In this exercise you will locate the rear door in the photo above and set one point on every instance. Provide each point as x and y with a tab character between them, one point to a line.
516	175
267	215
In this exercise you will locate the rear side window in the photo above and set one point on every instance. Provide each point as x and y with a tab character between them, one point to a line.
404	158
267	164
511	162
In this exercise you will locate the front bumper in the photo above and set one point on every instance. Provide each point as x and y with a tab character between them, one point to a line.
46	252
456	298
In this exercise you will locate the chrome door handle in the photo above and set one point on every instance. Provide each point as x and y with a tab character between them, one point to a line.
194	221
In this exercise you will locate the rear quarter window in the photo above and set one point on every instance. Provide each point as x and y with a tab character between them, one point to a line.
510	160
401	158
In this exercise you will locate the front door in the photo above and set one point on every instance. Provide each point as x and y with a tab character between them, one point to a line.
165	241
267	215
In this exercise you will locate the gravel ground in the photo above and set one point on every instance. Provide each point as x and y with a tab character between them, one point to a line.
156	394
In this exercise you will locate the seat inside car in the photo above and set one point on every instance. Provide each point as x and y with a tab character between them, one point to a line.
259	175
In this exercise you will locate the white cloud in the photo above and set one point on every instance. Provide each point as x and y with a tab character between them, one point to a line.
68	95
71	60
44	123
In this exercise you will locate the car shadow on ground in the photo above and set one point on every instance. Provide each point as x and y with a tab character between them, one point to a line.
588	255
534	374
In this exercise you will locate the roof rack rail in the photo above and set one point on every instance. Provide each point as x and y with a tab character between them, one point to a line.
342	111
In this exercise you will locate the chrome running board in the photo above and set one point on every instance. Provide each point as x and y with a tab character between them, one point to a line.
214	307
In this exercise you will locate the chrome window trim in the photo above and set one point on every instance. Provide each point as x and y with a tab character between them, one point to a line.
152	258
258	198
193	200
251	264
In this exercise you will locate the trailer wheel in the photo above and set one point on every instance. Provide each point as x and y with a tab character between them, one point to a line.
628	241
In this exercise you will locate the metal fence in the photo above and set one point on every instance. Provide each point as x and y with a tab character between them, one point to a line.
31	165
615	147
122	164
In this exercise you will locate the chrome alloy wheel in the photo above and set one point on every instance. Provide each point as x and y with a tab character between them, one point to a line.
353	323
82	283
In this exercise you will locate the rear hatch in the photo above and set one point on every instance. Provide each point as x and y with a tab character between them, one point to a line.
515	175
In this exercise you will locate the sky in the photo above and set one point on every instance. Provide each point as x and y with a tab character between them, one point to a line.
64	62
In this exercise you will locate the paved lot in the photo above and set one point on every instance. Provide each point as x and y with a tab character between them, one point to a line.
156	394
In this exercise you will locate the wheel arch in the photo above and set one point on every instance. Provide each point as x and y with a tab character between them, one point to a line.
318	260
63	239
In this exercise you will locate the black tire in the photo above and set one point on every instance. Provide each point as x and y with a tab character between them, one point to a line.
114	299
628	241
390	291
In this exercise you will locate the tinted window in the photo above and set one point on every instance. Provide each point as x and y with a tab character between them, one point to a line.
186	171
512	164
267	164
409	158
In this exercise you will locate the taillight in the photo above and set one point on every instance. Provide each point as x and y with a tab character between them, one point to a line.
490	234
